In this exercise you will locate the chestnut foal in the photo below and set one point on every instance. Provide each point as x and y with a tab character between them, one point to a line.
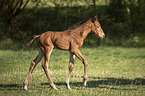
70	40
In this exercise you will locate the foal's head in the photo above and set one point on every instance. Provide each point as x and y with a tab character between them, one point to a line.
96	27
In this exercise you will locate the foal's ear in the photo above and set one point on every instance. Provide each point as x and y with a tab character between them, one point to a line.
95	18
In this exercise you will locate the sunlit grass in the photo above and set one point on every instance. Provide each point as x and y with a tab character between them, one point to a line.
111	71
62	3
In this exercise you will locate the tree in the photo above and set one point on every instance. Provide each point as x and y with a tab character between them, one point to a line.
117	10
136	14
9	10
12	8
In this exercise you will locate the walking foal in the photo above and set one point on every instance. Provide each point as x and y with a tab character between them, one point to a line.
70	40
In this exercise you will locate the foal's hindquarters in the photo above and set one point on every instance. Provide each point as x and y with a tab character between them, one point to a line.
44	52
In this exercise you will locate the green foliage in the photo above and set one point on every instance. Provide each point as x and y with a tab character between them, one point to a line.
112	71
121	20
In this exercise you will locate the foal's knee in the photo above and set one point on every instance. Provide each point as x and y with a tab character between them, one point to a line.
71	67
33	63
44	66
85	63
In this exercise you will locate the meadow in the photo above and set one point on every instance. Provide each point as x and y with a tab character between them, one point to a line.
112	71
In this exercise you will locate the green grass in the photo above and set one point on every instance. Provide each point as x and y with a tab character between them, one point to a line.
51	3
113	71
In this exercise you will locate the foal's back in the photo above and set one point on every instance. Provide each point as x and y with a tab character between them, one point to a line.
60	40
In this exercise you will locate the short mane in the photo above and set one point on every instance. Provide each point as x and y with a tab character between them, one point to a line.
78	24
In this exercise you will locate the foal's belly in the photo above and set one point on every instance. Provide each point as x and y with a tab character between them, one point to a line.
61	40
64	45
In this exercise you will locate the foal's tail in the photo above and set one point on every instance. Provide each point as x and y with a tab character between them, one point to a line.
27	45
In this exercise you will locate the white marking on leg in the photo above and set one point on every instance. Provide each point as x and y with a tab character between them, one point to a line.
25	87
72	57
85	83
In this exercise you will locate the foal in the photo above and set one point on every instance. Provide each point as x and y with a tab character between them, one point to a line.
70	40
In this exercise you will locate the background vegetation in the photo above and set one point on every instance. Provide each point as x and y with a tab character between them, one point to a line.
122	20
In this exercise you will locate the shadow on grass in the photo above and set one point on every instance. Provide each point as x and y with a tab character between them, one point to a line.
95	82
109	83
116	81
11	87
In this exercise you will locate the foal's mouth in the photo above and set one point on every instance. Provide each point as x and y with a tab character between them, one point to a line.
102	36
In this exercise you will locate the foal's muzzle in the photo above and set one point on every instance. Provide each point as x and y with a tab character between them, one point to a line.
102	36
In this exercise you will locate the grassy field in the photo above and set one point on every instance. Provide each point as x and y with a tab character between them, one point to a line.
112	71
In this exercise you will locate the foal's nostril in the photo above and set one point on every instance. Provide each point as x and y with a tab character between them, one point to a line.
102	36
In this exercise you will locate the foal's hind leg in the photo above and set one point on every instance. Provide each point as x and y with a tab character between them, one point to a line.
71	65
32	66
47	54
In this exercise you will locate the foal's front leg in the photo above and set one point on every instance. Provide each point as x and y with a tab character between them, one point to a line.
80	56
71	65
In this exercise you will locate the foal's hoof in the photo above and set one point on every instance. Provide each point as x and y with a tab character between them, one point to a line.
68	86
55	88
25	88
84	86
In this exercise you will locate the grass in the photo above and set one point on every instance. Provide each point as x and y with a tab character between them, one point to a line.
52	3
113	71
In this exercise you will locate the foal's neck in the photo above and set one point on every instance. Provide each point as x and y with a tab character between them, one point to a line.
83	30
86	30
